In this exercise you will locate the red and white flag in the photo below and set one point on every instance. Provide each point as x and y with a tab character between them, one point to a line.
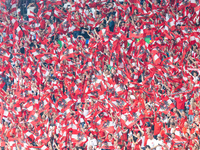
156	58
47	14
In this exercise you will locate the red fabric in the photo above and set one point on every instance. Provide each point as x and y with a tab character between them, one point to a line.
148	113
182	121
146	138
180	103
157	127
138	145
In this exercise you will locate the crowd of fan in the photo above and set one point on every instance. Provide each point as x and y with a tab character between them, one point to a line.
99	75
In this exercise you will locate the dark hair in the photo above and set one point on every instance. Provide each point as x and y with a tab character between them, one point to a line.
120	146
158	117
173	124
178	114
140	133
147	146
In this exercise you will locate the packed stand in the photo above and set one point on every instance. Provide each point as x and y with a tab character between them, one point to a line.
99	75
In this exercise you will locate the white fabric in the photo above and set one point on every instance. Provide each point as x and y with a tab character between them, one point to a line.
151	143
160	143
91	142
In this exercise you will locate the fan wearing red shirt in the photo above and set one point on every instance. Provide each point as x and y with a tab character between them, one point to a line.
138	142
124	136
193	141
42	23
102	135
11	132
173	112
183	119
180	102
148	131
187	140
157	126
109	139
148	114
185	128
129	144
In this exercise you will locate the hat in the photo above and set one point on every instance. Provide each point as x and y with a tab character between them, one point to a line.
159	135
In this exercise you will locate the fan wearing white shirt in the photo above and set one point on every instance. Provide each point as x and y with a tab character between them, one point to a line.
91	142
159	142
99	146
151	142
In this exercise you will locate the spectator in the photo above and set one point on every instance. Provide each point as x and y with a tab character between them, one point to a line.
99	74
159	142
151	142
157	126
92	142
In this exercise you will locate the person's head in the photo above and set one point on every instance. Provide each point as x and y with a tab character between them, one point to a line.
26	44
159	137
124	3
49	144
29	126
138	134
156	2
173	135
172	41
183	114
91	135
172	124
130	139
147	107
195	73
157	118
177	114
174	110
144	4
178	26
138	24
148	131
196	112
17	130
177	84
90	147
192	136
135	11
109	136
168	114
150	136
186	124
86	7
43	116
110	18
71	145
187	135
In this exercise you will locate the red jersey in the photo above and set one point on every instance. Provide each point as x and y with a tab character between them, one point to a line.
157	127
180	103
